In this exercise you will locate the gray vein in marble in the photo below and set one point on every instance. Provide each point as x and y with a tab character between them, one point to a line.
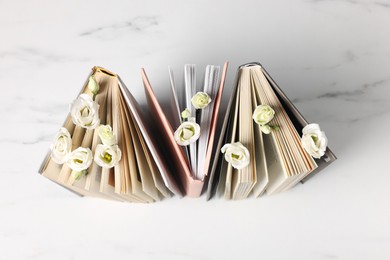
20	102
382	4
347	57
353	93
47	121
137	24
363	89
368	6
38	140
53	109
359	99
371	115
26	54
43	138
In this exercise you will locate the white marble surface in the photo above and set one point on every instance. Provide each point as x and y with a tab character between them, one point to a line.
331	57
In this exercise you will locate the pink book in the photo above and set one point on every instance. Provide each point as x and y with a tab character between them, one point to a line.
174	154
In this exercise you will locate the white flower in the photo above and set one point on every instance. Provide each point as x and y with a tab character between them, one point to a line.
185	113
266	129
106	135
314	140
85	112
200	100
80	159
188	132
61	146
93	86
263	114
107	156
236	154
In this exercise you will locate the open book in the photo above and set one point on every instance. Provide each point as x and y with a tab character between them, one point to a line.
275	157
105	149
190	161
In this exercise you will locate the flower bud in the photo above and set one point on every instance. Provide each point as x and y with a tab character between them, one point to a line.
93	86
185	113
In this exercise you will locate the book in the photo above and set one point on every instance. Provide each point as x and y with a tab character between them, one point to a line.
190	159
262	150
105	148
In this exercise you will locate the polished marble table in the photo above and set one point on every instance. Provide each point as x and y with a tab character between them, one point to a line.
332	58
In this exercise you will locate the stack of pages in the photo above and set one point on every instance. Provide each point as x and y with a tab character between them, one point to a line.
277	155
107	148
75	161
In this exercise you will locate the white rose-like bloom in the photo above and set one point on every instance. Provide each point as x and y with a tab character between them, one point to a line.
61	146
188	132
263	114
85	112
314	140
107	156
236	154
200	100
80	159
106	135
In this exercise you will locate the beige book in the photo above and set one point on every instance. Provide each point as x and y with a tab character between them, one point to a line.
247	177
298	163
137	176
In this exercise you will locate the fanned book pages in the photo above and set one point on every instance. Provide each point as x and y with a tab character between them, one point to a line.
266	144
188	137
104	148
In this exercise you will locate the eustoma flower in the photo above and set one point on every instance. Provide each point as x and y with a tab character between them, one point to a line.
85	112
80	159
263	114
107	156
106	135
314	140
61	146
200	100
188	132
236	154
